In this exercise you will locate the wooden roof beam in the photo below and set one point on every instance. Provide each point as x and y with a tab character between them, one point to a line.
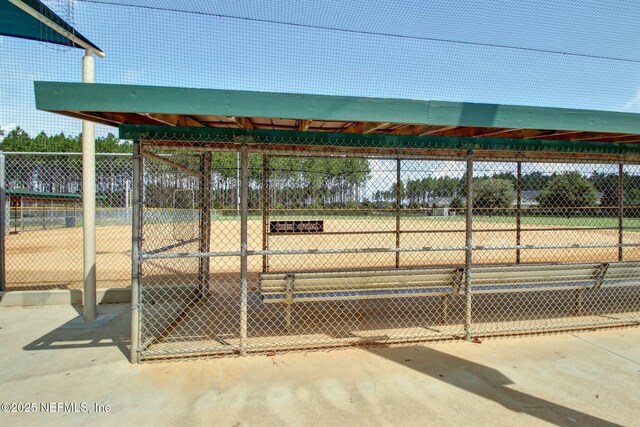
303	125
94	117
364	127
175	119
496	133
133	119
242	122
550	134
437	129
590	136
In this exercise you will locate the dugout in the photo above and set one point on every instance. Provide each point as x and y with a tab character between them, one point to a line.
41	210
316	219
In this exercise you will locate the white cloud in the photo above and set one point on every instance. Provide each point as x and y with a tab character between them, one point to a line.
633	104
6	128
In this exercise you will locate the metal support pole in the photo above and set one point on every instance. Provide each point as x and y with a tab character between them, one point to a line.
238	184
244	206
518	211
89	201
135	253
3	225
469	248
205	222
398	204
265	212
22	214
620	211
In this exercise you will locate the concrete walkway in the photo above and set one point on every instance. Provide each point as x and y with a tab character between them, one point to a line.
583	379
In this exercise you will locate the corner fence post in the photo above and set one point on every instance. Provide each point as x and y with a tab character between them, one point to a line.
469	248
3	224
620	212
135	252
244	206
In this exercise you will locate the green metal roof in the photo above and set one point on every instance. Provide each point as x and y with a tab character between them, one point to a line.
171	106
16	22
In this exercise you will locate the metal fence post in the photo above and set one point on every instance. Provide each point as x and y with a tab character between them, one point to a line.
518	211
265	211
469	248
135	253
205	222
3	225
398	204
620	211
244	196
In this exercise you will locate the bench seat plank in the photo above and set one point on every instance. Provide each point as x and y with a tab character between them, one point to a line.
357	294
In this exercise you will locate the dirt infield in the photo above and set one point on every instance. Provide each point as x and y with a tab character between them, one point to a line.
53	258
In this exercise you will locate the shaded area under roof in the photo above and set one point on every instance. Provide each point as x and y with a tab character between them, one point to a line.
15	22
169	106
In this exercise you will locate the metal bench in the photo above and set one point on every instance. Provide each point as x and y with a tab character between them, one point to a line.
621	274
349	285
539	277
290	288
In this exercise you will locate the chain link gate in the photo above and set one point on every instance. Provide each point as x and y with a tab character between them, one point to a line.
289	250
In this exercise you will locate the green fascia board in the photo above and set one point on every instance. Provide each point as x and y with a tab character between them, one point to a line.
61	97
15	22
39	194
203	136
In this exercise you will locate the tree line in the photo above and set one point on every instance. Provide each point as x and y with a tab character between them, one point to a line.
554	192
294	182
63	174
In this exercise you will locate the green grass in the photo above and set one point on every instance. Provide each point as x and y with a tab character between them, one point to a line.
553	221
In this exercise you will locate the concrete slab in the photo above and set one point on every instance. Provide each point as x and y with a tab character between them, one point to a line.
80	323
62	297
583	379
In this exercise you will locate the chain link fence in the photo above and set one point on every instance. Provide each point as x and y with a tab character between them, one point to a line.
246	246
43	227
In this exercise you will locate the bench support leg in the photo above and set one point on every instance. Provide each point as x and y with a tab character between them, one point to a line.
288	309
578	303
445	307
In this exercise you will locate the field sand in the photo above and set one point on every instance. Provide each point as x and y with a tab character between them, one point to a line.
52	259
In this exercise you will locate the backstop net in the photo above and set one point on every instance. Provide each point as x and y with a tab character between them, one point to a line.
243	247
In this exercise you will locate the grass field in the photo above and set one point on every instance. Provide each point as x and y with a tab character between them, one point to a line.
53	258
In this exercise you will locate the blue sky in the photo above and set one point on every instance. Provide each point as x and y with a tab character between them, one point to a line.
155	47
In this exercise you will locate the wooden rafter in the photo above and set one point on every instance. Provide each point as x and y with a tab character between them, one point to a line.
437	129
134	119
243	122
303	125
95	117
364	127
174	119
495	132
591	136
